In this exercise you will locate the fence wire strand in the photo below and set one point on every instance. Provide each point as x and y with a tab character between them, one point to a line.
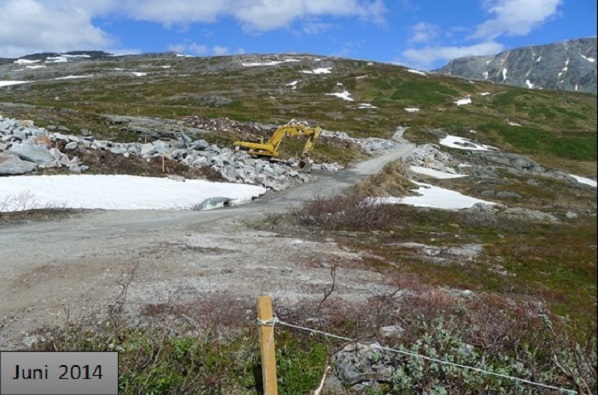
275	321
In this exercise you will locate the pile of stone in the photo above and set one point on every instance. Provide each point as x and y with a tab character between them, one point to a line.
24	148
221	124
370	145
430	156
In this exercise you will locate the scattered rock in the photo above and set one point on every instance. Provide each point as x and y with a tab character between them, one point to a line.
357	363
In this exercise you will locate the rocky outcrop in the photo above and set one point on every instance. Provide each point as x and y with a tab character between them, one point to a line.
568	65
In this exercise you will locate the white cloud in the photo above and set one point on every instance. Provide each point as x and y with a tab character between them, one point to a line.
263	15
219	50
254	15
28	26
429	56
316	27
202	50
424	32
198	49
515	17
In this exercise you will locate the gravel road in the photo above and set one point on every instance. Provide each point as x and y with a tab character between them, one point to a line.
72	266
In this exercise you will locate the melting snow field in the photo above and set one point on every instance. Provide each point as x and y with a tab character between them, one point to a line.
7	83
323	70
345	95
119	192
434	197
435	173
271	63
462	102
72	77
584	180
366	106
463	143
416	72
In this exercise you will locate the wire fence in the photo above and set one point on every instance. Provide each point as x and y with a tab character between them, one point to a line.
275	321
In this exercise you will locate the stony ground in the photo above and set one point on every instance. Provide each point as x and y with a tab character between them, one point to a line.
62	269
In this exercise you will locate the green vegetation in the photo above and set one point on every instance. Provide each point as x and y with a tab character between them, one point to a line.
174	351
568	145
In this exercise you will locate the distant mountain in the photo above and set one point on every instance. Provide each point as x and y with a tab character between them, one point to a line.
568	65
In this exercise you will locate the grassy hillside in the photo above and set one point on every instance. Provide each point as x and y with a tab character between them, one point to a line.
554	125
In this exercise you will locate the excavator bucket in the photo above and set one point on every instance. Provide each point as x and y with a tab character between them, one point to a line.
306	164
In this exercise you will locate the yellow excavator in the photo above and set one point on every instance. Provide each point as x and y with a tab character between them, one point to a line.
270	148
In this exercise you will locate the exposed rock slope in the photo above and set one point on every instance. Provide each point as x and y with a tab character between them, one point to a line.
568	65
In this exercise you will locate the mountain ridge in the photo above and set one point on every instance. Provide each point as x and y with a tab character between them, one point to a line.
566	65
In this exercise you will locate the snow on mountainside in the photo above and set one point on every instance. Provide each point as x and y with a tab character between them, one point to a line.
568	65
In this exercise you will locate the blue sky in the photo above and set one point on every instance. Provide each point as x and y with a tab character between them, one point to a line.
422	34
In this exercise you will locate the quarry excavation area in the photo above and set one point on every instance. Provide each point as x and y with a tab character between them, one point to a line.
72	267
58	270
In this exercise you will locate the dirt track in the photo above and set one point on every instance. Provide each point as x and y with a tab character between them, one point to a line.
49	268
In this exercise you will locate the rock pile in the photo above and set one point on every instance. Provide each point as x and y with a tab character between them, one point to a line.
25	148
221	124
430	156
370	145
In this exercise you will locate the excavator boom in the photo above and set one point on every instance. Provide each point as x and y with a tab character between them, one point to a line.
270	148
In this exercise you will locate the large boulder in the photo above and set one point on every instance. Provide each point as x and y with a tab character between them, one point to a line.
12	165
28	151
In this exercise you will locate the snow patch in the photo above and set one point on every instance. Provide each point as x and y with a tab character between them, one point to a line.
120	192
25	61
8	83
504	74
463	143
366	106
345	95
435	173
416	72
57	59
529	84
434	197
270	63
485	74
464	101
485	93
412	109
71	77
139	74
323	70
584	180
591	60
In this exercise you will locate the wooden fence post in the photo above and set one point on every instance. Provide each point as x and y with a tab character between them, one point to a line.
268	352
